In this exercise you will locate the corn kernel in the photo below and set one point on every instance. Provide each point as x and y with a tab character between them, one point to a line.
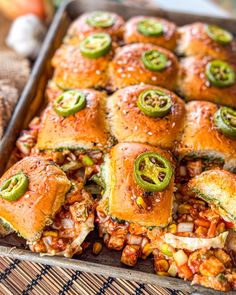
172	228
146	250
163	273
220	227
97	248
184	208
50	233
201	231
140	202
162	265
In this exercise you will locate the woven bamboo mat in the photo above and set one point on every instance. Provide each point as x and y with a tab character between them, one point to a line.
21	277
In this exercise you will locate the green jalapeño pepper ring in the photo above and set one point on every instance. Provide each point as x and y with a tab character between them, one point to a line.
152	171
218	34
150	27
225	121
154	60
96	45
220	73
69	103
154	103
15	187
100	19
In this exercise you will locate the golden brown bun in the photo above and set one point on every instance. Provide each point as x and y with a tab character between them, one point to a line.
72	70
217	187
129	124
48	185
194	85
193	40
201	138
79	29
127	68
87	129
52	91
122	189
167	40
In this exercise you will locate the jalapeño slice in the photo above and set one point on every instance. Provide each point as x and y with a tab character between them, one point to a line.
218	34
152	171
150	27
154	103
14	187
96	45
220	73
69	103
100	19
225	121
154	60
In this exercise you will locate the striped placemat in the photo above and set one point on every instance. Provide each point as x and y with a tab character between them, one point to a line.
21	277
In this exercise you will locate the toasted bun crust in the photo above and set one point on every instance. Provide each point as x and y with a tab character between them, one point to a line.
129	124
87	129
194	85
193	40
122	190
218	187
127	68
201	138
80	29
52	91
45	195
72	70
167	40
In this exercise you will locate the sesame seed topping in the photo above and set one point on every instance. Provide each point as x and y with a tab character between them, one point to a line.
207	83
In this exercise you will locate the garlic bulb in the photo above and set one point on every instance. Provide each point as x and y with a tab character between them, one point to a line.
26	35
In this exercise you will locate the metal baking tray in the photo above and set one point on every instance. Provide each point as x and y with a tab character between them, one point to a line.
108	262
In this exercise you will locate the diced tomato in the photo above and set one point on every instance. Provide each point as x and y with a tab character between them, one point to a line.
229	224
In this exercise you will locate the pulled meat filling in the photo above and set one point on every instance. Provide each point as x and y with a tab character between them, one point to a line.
190	167
131	238
69	228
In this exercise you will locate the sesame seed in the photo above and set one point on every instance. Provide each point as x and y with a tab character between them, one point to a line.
207	83
130	68
149	133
